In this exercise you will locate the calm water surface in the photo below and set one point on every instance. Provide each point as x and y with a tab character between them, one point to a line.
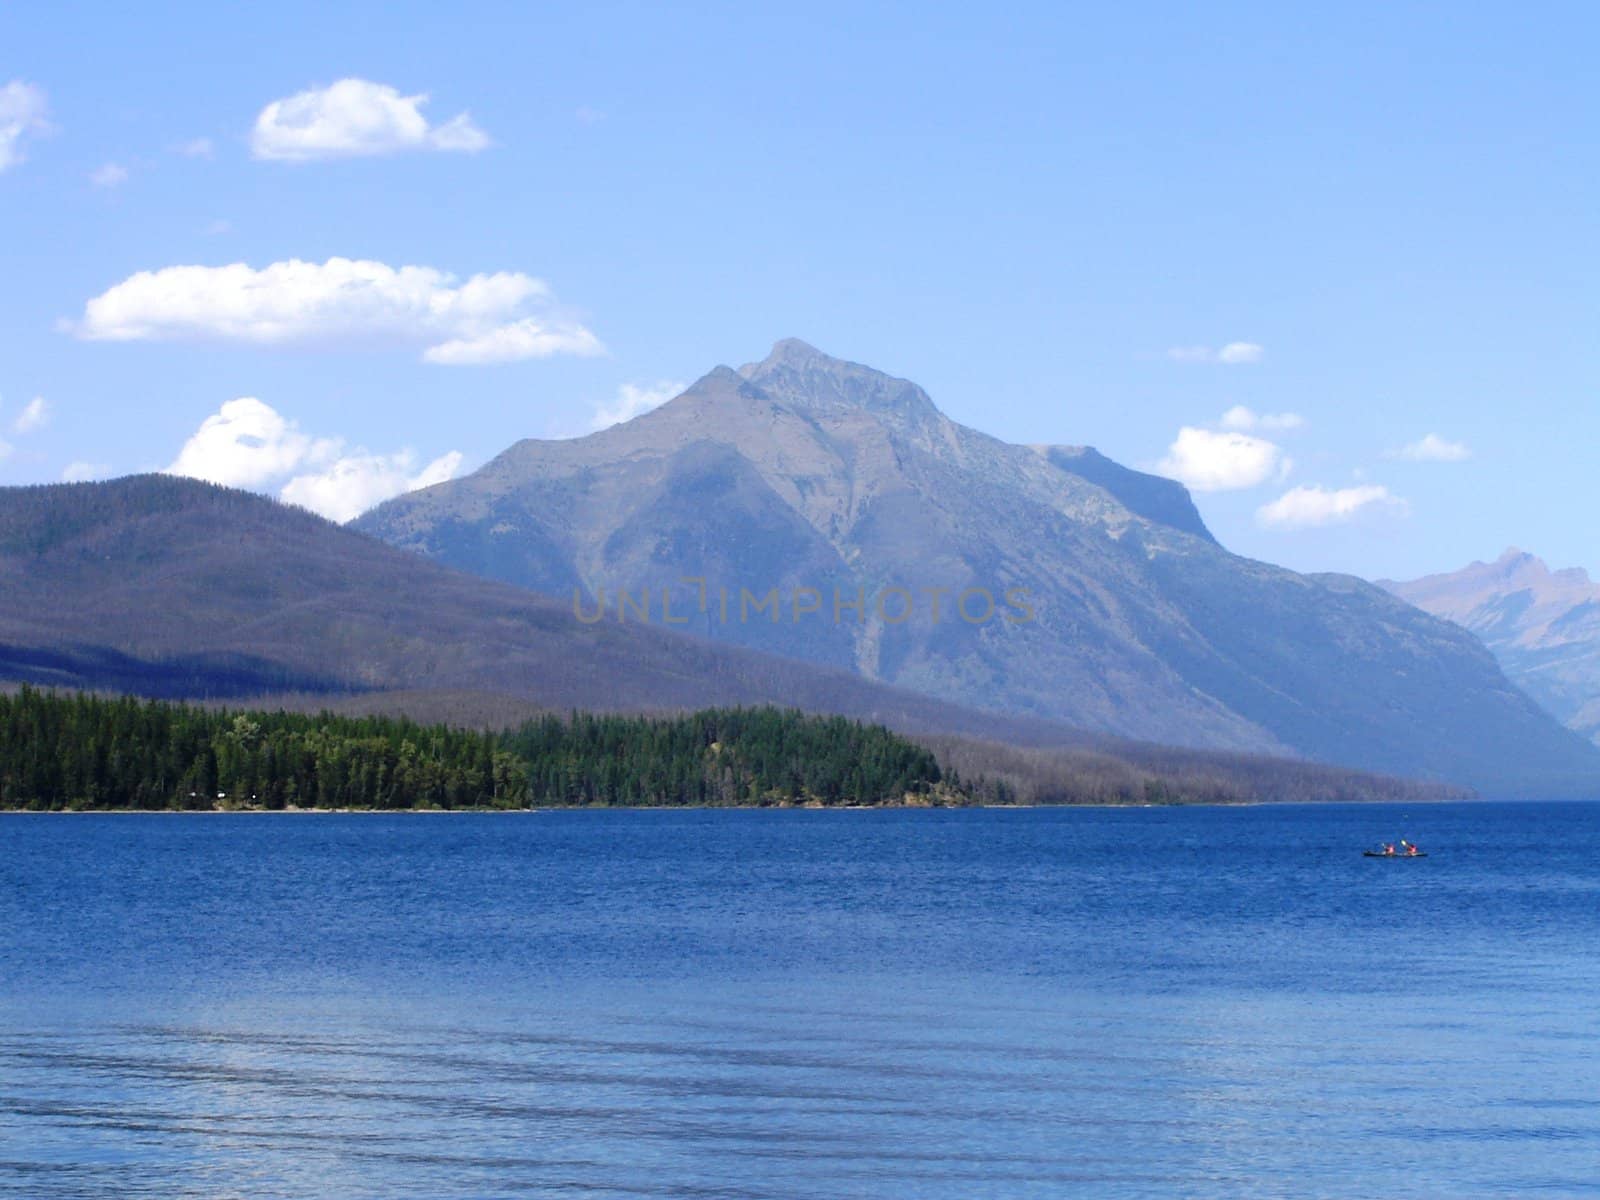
1180	1002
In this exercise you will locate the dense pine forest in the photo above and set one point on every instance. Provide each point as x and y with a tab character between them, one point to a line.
62	751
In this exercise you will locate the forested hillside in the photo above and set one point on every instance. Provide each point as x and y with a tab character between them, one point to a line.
81	751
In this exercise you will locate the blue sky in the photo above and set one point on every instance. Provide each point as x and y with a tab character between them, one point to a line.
1389	211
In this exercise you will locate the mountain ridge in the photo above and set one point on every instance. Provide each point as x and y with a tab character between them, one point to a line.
1542	625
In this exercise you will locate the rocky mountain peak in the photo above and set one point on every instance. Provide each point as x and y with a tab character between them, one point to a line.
1543	626
1514	563
721	380
796	353
799	374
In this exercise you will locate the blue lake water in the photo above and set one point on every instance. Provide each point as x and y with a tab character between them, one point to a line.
967	1004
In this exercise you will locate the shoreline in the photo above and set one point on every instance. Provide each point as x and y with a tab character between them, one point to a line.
586	808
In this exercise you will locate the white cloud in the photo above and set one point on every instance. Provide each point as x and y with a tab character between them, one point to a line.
1240	417
356	482
5	449
354	118
109	175
1309	507
246	443
1236	353
1232	354
1208	461
530	337
1433	448
218	227
633	401
22	114
83	472
502	317
34	415
249	444
200	147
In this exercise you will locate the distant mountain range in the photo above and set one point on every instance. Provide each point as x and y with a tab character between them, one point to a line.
803	506
1543	626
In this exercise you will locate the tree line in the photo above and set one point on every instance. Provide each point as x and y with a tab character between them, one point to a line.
78	750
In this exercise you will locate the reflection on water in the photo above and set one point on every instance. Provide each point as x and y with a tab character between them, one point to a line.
1202	1003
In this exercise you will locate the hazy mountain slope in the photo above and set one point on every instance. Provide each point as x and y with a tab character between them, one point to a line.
1542	625
804	496
805	471
175	588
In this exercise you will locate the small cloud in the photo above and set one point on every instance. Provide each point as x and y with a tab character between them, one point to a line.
504	317
1208	461
1310	507
589	116
247	443
1232	354
217	228
83	472
200	147
527	338
1432	448
356	118
111	175
1236	353
34	415
5	449
633	401
1240	417
22	115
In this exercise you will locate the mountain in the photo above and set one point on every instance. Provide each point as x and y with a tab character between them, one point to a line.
172	588
1542	625
1114	608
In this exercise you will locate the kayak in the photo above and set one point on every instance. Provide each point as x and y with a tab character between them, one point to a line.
1381	854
